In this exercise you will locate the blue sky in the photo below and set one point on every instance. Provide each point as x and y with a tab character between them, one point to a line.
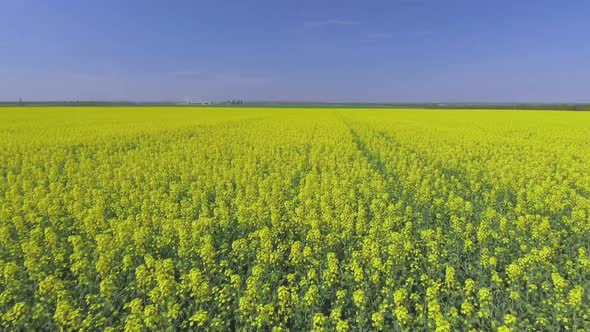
351	51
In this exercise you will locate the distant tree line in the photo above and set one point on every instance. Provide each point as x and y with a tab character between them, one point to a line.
532	106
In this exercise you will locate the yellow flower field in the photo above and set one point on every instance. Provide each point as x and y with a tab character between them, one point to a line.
136	219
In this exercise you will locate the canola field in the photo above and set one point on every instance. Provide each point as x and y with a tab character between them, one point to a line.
221	219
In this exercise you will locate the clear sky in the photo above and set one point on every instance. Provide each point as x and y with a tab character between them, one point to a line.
282	50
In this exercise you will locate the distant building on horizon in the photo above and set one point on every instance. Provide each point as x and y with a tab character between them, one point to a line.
190	102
